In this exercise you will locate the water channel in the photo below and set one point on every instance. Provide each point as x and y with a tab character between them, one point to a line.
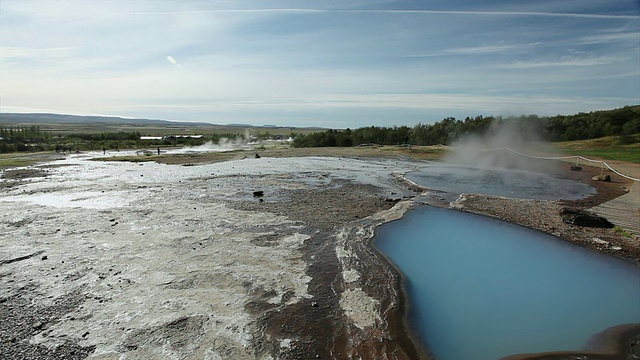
482	289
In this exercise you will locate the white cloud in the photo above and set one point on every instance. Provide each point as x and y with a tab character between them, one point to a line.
9	53
243	58
632	37
275	10
566	61
477	50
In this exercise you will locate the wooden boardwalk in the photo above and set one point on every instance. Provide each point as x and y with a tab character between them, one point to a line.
623	211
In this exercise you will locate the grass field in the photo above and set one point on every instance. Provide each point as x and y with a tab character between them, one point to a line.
607	148
25	159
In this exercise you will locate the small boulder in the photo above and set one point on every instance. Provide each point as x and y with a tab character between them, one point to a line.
605	178
258	193
583	218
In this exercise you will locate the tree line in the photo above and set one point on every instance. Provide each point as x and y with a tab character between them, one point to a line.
32	138
22	138
623	122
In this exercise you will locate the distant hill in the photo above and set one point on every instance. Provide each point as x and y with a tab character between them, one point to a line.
64	123
13	118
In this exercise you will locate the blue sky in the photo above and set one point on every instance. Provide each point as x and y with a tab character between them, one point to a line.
318	63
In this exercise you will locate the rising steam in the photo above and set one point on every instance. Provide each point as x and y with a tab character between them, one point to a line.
240	143
497	146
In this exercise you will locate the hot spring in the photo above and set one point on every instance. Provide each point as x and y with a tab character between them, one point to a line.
503	182
482	289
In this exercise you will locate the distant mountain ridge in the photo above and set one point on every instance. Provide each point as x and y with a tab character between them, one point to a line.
42	118
36	118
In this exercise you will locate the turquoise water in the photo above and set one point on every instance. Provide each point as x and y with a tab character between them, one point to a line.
483	289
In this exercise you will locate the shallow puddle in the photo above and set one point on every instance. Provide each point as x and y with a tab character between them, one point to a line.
503	182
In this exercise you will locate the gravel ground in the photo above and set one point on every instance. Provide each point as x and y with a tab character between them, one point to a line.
21	320
545	215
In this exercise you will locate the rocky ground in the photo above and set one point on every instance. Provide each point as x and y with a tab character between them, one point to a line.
146	261
545	215
141	261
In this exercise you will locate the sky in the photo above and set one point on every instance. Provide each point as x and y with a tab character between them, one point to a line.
333	64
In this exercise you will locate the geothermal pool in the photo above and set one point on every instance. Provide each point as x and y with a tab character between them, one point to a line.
513	183
482	289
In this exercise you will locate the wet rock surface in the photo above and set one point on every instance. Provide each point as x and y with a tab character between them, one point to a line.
345	319
583	218
606	178
131	261
620	342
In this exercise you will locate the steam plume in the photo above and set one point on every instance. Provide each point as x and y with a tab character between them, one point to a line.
491	149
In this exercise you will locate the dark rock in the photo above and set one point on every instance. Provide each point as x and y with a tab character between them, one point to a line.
575	168
257	156
45	257
606	178
258	193
314	304
583	218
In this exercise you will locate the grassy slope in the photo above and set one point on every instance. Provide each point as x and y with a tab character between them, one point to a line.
606	148
25	159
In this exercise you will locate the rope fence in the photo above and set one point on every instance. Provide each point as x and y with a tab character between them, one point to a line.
577	157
